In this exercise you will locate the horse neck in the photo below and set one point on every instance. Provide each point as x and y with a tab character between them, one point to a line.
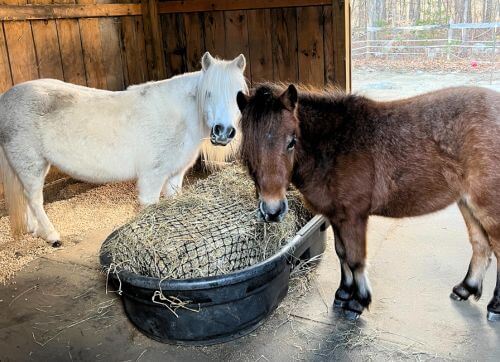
179	92
324	122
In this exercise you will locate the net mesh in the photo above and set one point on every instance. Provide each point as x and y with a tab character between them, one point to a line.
210	229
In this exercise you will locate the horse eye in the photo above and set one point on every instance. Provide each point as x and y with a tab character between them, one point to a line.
209	94
292	143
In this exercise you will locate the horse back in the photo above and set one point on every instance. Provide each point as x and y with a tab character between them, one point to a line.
428	149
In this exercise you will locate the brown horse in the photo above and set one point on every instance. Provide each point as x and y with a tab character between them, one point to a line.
352	157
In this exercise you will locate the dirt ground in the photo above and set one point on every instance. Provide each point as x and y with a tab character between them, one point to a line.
74	215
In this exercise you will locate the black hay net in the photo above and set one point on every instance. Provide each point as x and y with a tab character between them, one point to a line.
210	229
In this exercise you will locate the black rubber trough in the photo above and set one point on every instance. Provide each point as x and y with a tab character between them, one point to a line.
220	308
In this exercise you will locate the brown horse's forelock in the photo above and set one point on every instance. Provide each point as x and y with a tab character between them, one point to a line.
263	116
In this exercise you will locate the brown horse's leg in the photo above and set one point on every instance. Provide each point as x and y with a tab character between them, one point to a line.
494	304
487	211
352	233
345	290
481	257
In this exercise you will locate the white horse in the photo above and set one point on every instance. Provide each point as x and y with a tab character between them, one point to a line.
151	133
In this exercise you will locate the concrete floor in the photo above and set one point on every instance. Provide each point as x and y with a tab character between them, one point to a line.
57	309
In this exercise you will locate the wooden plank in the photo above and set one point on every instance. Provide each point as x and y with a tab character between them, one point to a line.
46	43
15	12
236	37
5	75
341	15
65	11
183	6
310	45
134	50
153	38
261	45
195	45
215	43
71	51
70	45
284	37
19	39
174	43
111	51
328	45
95	70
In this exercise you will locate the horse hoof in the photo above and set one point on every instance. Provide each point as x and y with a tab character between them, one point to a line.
351	315
493	316
338	303
463	292
456	297
56	244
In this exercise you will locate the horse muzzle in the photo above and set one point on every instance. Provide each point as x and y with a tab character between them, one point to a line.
273	211
221	135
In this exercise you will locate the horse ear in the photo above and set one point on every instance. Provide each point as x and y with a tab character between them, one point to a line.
242	100
206	60
240	62
289	98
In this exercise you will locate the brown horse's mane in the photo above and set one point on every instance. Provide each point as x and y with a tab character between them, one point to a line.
305	90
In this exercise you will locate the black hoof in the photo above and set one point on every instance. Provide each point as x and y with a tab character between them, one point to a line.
351	315
339	303
463	291
355	306
493	316
56	244
455	296
342	297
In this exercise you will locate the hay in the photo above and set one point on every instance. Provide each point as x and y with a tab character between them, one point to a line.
211	229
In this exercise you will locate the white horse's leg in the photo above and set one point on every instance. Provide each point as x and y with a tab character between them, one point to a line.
46	229
32	175
31	221
30	216
149	186
173	185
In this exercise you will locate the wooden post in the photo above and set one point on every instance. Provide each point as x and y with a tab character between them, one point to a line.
450	40
153	39
341	13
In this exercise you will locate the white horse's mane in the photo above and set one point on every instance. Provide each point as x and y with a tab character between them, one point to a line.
222	77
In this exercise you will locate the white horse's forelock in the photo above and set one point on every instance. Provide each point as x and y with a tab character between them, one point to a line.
221	79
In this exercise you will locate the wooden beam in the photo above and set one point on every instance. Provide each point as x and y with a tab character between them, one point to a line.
153	38
66	11
187	6
341	13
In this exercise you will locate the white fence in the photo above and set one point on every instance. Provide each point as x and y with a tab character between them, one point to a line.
457	43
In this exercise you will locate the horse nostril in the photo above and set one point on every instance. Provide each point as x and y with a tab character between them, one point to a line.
273	212
232	133
218	129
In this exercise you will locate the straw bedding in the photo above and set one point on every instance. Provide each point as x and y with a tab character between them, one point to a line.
210	229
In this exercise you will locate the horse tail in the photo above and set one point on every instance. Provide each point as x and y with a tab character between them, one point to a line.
15	199
216	157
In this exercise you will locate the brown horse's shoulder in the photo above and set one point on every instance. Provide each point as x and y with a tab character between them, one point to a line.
341	184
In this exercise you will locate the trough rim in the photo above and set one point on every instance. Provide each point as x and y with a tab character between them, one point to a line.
287	253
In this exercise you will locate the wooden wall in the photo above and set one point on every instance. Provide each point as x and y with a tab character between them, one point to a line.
107	44
290	44
100	52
